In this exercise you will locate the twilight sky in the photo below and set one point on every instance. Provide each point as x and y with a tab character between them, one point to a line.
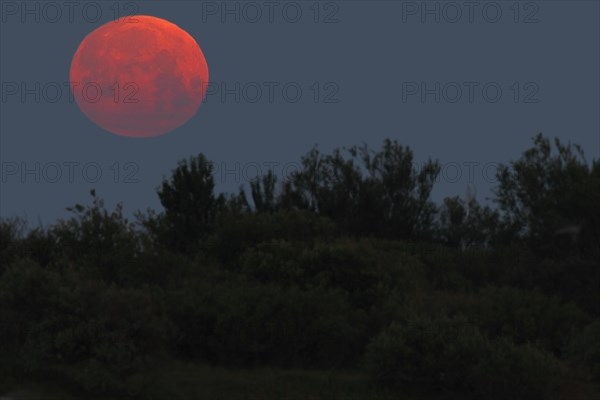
468	83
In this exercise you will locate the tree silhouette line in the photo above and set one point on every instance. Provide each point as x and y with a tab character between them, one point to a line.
349	264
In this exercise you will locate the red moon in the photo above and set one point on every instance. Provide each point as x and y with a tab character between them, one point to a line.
139	76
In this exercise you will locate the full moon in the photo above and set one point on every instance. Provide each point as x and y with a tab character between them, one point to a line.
139	76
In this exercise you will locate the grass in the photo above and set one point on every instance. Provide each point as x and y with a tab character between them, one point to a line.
181	381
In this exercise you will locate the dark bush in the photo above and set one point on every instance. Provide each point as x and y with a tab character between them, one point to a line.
104	338
525	317
236	233
101	242
583	350
346	262
451	353
237	322
12	231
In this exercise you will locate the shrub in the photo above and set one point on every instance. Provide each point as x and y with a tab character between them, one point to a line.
237	322
102	242
28	293
571	278
525	316
341	264
68	326
275	261
236	233
453	354
425	349
583	350
11	234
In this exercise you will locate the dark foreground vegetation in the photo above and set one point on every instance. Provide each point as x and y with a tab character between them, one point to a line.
347	268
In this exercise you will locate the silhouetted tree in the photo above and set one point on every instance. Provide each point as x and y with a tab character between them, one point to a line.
406	205
545	191
465	223
191	208
370	193
100	240
263	193
95	301
12	231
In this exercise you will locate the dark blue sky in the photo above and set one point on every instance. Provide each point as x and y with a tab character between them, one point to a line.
367	70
